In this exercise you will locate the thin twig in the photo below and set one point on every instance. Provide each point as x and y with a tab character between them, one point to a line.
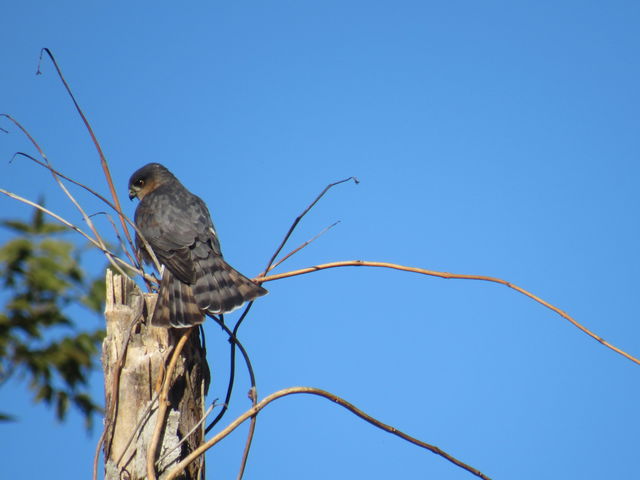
447	275
227	398
252	391
110	416
269	267
116	260
186	437
142	420
163	404
248	307
58	172
253	395
233	340
115	386
103	160
116	232
296	250
93	192
96	455
299	217
86	218
334	398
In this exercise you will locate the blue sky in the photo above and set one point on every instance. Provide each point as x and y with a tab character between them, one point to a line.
494	138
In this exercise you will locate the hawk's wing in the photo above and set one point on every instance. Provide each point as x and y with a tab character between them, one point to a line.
196	279
178	228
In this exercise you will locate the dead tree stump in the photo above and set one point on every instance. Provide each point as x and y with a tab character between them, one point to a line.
134	360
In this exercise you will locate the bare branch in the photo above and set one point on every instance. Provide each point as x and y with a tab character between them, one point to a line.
433	273
141	422
115	260
232	367
334	398
96	454
163	405
61	185
299	217
103	160
296	250
110	416
253	391
184	439
127	219
117	234
268	268
253	395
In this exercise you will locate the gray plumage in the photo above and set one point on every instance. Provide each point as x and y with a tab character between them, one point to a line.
196	280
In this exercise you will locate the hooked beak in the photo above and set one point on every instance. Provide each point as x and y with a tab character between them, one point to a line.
132	194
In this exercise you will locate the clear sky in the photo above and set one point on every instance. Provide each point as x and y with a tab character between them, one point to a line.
495	138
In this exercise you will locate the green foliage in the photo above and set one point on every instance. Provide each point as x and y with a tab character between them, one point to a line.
40	276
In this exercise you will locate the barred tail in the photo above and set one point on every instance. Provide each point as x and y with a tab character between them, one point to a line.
176	305
221	289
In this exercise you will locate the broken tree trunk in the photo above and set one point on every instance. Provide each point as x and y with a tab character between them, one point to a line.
135	357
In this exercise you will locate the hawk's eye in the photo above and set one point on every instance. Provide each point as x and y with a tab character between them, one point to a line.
139	183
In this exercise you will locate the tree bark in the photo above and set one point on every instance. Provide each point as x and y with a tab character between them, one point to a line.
134	358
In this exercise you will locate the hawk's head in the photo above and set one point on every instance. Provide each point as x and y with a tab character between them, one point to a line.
147	179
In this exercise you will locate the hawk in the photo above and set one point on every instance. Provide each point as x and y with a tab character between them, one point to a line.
196	281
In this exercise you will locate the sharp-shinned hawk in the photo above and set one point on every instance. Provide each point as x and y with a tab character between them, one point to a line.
196	281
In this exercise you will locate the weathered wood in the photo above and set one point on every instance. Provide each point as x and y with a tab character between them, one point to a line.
134	357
